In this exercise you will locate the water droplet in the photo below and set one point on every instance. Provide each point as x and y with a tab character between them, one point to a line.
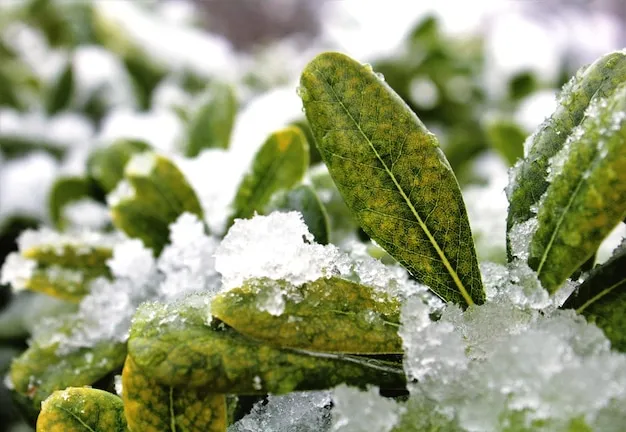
303	93
368	67
380	76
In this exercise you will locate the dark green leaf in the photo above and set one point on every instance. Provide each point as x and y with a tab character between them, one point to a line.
587	196
303	198
392	174
65	190
600	80
211	124
279	164
61	93
175	346
152	407
507	138
328	315
82	410
601	298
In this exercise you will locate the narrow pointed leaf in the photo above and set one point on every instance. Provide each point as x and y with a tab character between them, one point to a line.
60	94
211	124
152	407
529	183
154	194
41	370
587	196
82	410
303	198
175	346
63	191
327	315
601	298
392	174
279	164
106	165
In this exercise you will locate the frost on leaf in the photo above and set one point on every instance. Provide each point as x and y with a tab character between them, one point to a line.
361	411
298	411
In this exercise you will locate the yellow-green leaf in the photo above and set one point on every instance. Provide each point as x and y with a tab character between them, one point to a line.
586	198
211	124
392	174
279	164
175	346
82	410
303	198
327	315
41	370
599	80
106	165
152	407
154	195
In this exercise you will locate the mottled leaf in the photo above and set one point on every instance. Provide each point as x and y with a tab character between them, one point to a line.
65	190
303	198
327	315
154	195
507	138
598	80
211	124
586	198
152	407
175	346
41	370
106	165
392	174
601	298
83	409
279	164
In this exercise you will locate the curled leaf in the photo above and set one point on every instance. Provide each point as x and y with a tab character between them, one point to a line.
176	347
327	315
152	407
392	175
82	410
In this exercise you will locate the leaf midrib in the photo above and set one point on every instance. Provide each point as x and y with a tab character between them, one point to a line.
421	223
62	408
599	295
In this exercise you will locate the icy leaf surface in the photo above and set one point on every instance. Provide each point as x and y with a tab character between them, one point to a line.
327	315
293	412
392	174
172	343
151	407
82	410
363	411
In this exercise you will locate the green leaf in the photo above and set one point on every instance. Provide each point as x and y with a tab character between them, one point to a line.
507	138
65	190
600	80
174	345
392	174
601	298
155	195
586	198
303	198
327	315
41	370
106	165
61	93
211	124
152	407
279	164
82	410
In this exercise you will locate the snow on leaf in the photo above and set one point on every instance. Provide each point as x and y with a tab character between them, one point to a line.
362	411
82	410
327	315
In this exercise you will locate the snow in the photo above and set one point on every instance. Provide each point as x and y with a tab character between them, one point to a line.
363	411
141	164
86	213
293	412
17	270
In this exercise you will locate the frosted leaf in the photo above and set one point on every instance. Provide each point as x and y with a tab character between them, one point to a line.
123	191
86	213
141	164
82	241
118	385
556	162
187	263
293	412
277	247
363	411
17	270
520	237
133	261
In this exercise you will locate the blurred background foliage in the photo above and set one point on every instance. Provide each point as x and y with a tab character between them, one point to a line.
76	76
